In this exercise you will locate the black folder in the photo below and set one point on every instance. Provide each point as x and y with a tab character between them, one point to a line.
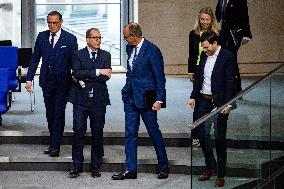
150	99
237	36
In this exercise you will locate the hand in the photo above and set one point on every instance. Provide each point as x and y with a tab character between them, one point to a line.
191	103
156	106
106	72
226	110
244	41
29	86
191	76
74	79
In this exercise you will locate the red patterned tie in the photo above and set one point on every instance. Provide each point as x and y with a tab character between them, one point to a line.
225	6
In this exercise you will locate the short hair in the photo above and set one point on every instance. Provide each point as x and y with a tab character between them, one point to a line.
89	31
55	13
209	11
209	36
134	29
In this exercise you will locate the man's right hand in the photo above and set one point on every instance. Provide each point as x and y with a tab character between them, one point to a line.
29	86
106	72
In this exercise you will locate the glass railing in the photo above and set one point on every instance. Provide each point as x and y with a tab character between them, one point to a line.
254	137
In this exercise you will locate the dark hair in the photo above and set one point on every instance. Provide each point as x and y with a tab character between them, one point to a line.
134	29
55	13
89	31
209	36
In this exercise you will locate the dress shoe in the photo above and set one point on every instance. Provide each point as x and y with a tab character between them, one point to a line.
74	173
54	153
96	173
163	174
47	151
124	175
205	175
220	182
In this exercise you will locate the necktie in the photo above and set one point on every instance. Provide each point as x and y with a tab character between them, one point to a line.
52	39
224	6
93	56
134	57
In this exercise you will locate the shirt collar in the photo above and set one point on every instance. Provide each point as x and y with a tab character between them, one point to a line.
57	33
90	51
216	53
140	43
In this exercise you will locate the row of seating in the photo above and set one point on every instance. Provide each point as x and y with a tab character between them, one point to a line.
10	79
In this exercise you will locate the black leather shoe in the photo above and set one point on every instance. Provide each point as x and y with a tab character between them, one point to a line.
75	173
96	173
54	153
47	151
163	174
124	175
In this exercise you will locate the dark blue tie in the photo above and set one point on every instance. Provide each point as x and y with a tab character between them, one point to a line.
94	56
134	57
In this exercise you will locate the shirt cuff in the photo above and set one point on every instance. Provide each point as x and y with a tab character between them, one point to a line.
247	38
97	72
159	102
28	82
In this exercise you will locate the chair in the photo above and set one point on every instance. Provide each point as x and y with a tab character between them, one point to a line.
6	43
4	90
24	57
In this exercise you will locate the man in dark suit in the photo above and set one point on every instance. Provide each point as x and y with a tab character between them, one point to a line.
56	47
234	17
145	71
213	87
89	96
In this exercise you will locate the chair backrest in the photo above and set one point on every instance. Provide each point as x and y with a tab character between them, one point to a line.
8	57
24	57
4	88
6	43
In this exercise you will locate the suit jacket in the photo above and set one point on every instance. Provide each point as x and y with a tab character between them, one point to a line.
84	69
65	48
194	40
236	16
147	73
222	79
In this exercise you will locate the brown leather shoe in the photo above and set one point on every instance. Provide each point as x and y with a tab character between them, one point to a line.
220	182
205	175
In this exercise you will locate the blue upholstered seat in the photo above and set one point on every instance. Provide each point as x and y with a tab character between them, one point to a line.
4	88
9	59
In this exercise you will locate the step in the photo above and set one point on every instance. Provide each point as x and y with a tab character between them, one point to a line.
30	157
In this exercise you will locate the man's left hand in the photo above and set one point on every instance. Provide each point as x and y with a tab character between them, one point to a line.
156	106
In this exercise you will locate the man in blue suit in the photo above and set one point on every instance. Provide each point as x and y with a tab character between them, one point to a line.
56	48
145	71
213	87
89	96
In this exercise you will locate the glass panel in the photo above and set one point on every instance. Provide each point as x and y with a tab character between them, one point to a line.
254	138
10	28
78	16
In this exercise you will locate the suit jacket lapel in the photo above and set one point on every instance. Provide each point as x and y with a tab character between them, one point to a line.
139	56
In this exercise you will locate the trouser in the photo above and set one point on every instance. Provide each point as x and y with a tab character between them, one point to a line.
97	122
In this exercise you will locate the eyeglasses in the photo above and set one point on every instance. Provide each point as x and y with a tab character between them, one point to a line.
54	23
96	38
126	37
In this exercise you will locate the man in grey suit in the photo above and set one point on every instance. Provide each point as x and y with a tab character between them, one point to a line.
89	96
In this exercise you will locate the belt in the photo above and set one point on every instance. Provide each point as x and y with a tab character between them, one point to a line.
206	97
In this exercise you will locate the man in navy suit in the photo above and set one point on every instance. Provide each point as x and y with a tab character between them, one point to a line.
213	87
55	47
89	95
145	71
234	16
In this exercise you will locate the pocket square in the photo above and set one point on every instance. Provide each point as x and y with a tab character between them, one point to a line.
63	47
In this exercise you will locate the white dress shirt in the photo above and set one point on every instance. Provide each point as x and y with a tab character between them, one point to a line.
138	47
208	69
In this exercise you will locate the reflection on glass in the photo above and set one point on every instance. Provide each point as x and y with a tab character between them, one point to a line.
78	16
10	21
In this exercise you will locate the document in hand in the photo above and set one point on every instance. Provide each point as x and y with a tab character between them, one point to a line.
237	36
150	99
